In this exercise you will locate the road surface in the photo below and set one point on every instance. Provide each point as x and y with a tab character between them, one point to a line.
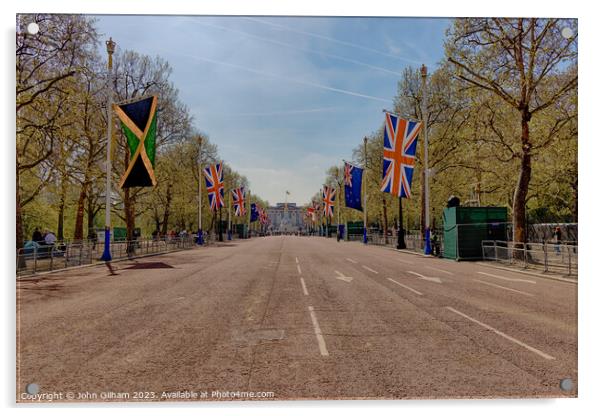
289	317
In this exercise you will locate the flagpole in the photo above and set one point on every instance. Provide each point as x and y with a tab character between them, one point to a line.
199	239
364	191
339	206
229	216
427	223
249	216
401	243
106	255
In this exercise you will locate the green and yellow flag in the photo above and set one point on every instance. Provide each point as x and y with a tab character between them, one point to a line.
139	125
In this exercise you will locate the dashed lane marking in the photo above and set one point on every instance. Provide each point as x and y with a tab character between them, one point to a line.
439	270
510	279
318	332
504	287
299	269
351	260
304	287
369	269
406	261
405	287
500	333
297	260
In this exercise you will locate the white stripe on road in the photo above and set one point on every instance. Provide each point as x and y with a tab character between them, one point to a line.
351	260
299	269
439	270
304	287
430	279
500	333
505	288
510	279
404	286
369	269
406	261
297	260
318	332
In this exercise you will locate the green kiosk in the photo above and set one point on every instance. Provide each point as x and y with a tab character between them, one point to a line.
464	228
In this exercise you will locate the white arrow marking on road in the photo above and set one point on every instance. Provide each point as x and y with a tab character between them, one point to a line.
341	276
510	279
430	279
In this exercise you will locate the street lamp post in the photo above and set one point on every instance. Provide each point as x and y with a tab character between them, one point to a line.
427	223
106	255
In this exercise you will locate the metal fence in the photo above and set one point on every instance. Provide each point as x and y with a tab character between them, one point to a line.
63	255
413	240
546	256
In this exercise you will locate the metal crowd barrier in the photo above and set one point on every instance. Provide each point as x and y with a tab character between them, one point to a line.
64	255
551	257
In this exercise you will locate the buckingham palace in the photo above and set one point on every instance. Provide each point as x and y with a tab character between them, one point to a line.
285	218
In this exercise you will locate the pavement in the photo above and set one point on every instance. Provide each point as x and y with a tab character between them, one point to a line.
294	318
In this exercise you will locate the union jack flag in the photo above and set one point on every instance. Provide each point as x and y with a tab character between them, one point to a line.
399	156
263	216
328	194
238	200
214	179
311	213
348	169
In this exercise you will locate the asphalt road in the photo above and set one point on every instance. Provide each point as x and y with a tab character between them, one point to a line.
294	318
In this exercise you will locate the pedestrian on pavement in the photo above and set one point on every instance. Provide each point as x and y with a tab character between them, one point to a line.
557	239
37	236
49	238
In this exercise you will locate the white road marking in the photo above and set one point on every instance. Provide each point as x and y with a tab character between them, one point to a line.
505	288
404	286
369	269
341	276
500	333
430	279
318	332
510	279
351	260
439	270
406	261
299	269
304	287
297	260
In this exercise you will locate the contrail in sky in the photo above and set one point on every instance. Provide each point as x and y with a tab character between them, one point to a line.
342	42
287	45
298	81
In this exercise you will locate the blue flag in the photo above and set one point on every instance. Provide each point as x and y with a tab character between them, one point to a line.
254	213
353	186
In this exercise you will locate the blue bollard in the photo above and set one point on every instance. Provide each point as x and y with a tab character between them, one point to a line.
427	243
106	254
199	239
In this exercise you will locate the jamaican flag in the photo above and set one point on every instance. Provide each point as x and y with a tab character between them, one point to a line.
139	125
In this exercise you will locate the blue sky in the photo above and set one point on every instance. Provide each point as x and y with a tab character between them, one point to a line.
284	98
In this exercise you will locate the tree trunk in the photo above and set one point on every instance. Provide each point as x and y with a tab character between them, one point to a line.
385	222
78	233
166	213
61	216
519	209
91	215
19	222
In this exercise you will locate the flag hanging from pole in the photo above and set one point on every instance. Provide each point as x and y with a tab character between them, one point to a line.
254	212
139	126
214	179
328	196
399	154
238	200
353	186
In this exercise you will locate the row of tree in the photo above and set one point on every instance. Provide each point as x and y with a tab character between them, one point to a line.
61	95
502	123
